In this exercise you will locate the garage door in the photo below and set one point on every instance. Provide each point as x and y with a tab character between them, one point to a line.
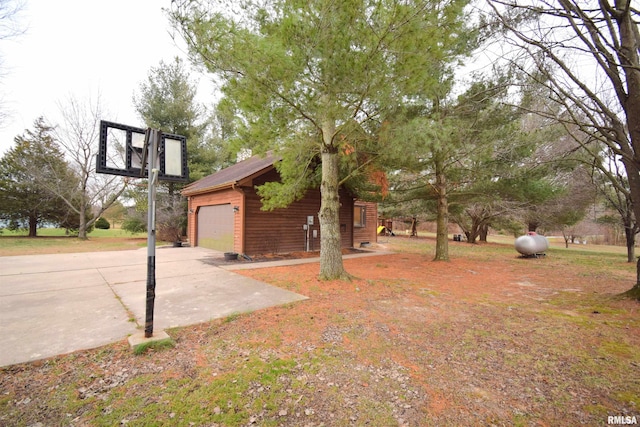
215	227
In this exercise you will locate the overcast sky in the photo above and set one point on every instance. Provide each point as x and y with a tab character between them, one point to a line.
81	48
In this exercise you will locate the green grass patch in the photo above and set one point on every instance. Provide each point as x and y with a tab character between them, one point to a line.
54	240
232	317
258	390
629	397
158	345
61	232
597	409
5	399
618	349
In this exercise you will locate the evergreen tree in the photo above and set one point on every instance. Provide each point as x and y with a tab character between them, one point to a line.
166	101
449	151
315	79
24	201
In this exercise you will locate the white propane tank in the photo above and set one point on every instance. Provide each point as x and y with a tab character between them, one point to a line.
531	244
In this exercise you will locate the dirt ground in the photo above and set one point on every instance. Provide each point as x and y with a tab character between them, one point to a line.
482	341
485	339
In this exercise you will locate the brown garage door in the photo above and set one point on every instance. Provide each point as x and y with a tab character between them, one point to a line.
215	227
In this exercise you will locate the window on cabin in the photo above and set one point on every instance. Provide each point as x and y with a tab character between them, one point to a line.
359	216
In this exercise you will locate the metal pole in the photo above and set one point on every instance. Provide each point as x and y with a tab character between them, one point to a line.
151	233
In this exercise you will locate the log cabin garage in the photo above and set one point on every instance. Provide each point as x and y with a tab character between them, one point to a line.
224	214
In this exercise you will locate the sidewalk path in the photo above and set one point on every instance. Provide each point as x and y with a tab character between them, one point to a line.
59	303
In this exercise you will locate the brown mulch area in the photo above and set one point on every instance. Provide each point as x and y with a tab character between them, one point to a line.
492	342
277	257
479	340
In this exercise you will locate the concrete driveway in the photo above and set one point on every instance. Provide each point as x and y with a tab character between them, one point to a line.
59	303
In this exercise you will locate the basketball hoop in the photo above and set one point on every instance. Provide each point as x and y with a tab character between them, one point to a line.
134	152
124	151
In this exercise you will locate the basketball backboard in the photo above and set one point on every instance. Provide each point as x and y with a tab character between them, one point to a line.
123	151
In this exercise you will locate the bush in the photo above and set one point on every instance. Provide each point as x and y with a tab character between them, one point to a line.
167	233
102	224
71	223
134	225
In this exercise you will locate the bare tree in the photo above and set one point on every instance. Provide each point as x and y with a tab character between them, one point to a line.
170	217
9	25
78	136
605	175
588	54
9	28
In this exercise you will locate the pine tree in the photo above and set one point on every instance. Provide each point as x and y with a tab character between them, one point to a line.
310	78
35	158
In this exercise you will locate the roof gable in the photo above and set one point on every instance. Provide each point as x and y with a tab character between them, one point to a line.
232	175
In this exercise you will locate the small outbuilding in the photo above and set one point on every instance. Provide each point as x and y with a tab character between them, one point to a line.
225	214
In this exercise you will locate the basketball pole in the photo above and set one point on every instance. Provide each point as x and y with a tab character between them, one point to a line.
136	162
151	232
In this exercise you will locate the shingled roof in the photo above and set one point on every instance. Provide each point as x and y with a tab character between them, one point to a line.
233	175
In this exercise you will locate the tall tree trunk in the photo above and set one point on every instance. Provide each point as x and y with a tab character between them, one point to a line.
484	232
630	239
331	266
634	292
442	221
565	236
82	227
475	231
633	175
33	225
629	41
82	212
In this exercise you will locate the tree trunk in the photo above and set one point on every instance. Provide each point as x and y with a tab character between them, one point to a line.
33	225
472	235
331	266
565	236
414	227
82	210
484	232
629	39
475	231
82	227
633	175
442	230
634	292
630	239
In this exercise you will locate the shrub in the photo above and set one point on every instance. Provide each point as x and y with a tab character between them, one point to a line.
134	225
102	224
168	233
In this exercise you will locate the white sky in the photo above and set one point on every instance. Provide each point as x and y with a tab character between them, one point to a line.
81	48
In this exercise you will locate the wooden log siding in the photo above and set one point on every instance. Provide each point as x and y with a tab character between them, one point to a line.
258	232
280	230
368	233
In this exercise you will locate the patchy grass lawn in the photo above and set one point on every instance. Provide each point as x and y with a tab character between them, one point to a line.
54	240
485	339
